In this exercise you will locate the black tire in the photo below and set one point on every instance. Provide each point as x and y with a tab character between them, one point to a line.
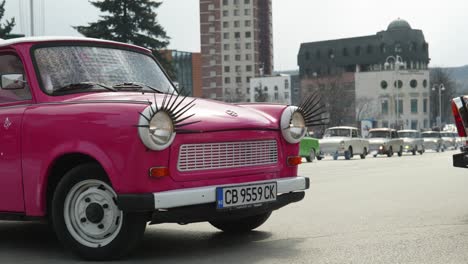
400	153
414	150
124	239
335	156
390	152
363	155
319	158
311	156
241	225
375	155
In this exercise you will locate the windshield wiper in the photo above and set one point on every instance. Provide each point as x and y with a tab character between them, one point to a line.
82	86
131	86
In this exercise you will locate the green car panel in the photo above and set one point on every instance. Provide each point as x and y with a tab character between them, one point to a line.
307	145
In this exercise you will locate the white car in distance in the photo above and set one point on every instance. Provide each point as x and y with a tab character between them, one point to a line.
343	141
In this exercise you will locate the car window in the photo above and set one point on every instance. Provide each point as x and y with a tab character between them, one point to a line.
354	133
11	64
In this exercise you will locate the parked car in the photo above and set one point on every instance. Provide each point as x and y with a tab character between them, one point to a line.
343	141
433	140
309	148
385	141
412	141
96	138
449	139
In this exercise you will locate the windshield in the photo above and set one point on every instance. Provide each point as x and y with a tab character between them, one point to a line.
60	67
408	134
447	134
379	134
430	135
337	132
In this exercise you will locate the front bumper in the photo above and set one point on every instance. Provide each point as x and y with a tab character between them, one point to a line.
149	202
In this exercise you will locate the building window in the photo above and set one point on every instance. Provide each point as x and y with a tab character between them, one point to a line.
413	83
225	2
248	34
226	57
238	68
248	46
225	13
248	57
385	107
236	23
225	24
246	2
425	105
226	35
425	83
384	84
236	2
414	106
236	12
357	51
238	57
248	68
384	123
247	12
227	80
286	84
226	47
399	106
286	95
400	84
248	90
238	79
236	35
247	23
426	123
247	79
276	87
227	69
414	124
265	89
276	96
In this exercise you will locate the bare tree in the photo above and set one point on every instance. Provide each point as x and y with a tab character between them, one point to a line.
442	76
260	95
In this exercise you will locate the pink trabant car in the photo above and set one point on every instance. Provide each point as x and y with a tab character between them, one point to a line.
96	139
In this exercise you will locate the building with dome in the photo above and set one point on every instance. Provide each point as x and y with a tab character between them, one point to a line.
383	78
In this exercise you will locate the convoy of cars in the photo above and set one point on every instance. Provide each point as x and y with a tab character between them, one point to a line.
347	142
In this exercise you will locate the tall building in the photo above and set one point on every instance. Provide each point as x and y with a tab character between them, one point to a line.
383	77
187	71
236	45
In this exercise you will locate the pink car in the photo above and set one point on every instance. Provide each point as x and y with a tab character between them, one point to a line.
95	138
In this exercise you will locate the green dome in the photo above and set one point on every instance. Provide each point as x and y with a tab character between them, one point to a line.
399	24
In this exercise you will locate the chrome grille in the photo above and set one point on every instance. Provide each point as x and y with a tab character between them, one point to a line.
224	155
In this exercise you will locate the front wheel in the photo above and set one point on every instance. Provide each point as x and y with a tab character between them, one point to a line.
390	152
311	156
364	154
87	220
244	224
400	153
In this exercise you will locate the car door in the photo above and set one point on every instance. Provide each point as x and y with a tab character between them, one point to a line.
357	147
13	103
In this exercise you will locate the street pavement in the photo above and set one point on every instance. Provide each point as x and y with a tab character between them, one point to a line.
410	209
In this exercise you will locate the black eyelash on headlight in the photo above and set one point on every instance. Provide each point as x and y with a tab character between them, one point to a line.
173	104
312	110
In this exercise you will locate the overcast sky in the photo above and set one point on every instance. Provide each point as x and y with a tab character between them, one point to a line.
444	23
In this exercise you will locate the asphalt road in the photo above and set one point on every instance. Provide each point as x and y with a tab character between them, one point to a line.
412	209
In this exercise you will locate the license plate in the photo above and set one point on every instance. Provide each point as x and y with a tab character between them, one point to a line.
245	195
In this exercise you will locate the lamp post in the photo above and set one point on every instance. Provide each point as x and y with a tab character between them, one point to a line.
440	88
397	62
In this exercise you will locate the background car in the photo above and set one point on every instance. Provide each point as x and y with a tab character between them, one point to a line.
449	139
343	141
309	148
412	141
385	141
433	141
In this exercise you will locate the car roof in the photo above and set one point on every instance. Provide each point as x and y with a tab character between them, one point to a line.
382	129
407	130
431	132
342	127
45	39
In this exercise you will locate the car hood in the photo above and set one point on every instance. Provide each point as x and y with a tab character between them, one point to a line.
212	115
375	141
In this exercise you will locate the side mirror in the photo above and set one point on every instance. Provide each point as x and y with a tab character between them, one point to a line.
13	81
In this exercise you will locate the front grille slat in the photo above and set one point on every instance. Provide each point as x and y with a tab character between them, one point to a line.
225	155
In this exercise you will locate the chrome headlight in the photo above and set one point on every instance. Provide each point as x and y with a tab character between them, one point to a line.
157	133
293	125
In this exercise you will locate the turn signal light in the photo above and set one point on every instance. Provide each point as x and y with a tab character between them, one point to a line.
294	161
158	172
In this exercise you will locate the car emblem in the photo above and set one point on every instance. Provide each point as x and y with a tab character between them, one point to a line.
7	123
231	113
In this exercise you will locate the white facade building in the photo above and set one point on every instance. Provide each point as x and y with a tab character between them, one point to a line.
276	88
377	96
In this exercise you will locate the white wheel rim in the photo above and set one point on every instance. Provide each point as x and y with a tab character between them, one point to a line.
91	213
